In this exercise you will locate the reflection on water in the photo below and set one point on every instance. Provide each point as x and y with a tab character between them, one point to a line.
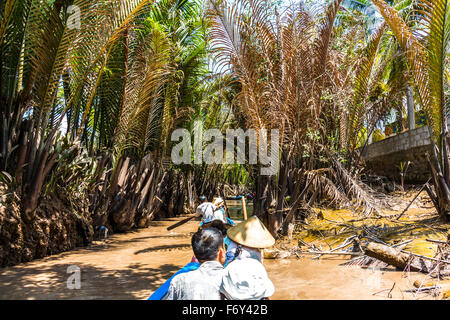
134	265
235	209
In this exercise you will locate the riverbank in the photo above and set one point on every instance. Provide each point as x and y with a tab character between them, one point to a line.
135	264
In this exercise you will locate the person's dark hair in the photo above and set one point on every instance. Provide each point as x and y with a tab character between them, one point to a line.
206	244
218	224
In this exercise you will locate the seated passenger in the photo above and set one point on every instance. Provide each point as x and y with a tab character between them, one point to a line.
246	279
222	227
203	283
219	212
247	239
218	224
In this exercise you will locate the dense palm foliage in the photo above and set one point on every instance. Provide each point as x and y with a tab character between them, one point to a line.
111	90
91	91
426	49
297	76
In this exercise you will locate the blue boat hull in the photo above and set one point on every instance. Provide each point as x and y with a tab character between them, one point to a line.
162	291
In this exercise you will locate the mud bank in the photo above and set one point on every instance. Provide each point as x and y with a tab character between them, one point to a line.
55	228
134	265
66	220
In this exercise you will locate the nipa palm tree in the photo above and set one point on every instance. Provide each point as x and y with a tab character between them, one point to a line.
285	68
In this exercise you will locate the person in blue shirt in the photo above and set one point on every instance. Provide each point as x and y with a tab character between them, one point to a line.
193	265
204	276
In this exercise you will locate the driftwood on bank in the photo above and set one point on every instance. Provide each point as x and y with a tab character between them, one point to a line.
388	255
437	241
402	260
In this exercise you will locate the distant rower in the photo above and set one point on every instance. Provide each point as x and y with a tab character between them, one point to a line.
211	211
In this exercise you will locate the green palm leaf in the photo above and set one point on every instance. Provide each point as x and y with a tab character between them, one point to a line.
363	78
425	51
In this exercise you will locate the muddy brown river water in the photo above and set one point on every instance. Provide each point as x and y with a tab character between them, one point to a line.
134	265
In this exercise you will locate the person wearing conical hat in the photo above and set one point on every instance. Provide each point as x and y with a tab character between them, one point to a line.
219	203
219	212
247	239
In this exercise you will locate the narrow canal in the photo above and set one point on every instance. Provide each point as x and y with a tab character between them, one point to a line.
133	265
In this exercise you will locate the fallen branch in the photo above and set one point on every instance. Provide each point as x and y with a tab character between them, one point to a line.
420	191
334	253
365	260
346	243
389	293
404	243
422	289
388	255
425	257
441	284
437	241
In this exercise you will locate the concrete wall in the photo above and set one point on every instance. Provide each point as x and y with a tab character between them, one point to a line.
384	157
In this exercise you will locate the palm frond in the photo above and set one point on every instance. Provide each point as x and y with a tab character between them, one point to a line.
355	190
363	78
425	54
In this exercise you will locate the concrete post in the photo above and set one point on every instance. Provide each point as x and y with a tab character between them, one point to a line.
410	106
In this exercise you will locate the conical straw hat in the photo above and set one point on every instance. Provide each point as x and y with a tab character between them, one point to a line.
218	201
251	233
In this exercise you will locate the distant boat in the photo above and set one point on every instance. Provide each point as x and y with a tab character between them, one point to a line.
248	197
234	198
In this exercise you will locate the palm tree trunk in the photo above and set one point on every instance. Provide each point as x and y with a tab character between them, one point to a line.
441	194
410	106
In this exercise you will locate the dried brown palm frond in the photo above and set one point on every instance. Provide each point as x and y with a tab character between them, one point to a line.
324	189
321	51
236	42
294	85
227	36
280	63
341	72
356	190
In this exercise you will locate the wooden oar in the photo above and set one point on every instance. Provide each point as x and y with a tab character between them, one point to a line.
180	223
244	207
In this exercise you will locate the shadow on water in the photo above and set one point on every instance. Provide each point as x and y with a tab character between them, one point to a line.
165	248
117	268
112	284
